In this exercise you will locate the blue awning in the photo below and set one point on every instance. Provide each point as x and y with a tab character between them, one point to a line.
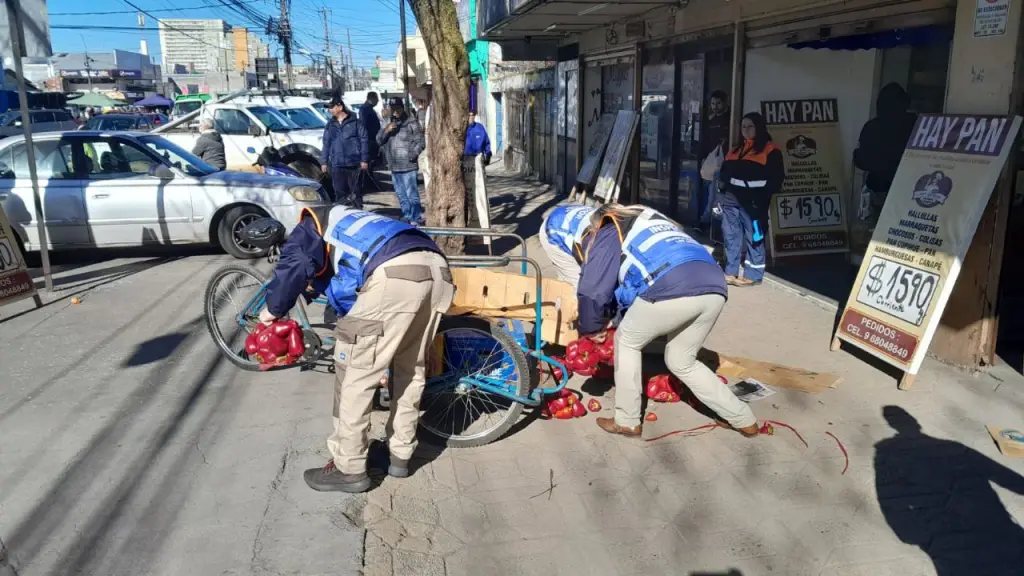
923	36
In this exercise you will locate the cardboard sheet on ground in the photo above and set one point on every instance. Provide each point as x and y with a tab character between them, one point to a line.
1009	440
501	294
15	281
777	375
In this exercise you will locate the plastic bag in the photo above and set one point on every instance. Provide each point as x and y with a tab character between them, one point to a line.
712	164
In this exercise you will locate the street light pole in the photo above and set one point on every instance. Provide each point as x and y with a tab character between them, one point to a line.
405	50
17	32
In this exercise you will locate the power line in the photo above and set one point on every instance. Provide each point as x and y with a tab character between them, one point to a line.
112	12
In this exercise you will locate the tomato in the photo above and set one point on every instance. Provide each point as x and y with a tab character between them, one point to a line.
651	417
296	347
564	413
594	405
557	404
578	410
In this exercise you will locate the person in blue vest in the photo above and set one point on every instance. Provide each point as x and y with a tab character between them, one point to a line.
560	235
638	263
389	284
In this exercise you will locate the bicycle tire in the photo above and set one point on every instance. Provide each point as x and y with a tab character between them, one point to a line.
509	346
208	312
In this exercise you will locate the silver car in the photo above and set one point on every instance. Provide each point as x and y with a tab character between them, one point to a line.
40	120
102	189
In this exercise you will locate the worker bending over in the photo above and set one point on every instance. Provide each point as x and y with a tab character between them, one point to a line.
560	236
638	262
389	284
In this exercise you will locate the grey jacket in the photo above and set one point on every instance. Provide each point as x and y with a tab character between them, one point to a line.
210	149
403	145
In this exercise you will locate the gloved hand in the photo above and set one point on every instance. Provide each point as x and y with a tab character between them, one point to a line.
266	318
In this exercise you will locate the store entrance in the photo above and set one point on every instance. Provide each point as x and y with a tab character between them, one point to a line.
1010	306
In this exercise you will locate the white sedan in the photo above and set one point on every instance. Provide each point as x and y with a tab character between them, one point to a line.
102	189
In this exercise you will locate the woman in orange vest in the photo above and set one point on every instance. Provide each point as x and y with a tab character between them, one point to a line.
751	173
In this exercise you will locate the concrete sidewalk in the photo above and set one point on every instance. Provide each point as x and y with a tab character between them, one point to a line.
939	499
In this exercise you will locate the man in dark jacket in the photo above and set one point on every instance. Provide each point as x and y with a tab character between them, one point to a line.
477	143
210	146
882	141
403	141
371	122
346	152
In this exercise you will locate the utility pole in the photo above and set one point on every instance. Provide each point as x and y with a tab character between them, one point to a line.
405	51
350	72
88	69
328	69
284	33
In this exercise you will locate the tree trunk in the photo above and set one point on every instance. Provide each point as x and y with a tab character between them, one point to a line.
446	139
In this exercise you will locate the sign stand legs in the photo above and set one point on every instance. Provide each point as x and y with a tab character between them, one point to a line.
907	381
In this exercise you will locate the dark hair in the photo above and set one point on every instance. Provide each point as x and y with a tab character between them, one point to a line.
720	94
761	135
372	95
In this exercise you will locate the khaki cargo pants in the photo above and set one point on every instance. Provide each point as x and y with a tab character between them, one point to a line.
393	321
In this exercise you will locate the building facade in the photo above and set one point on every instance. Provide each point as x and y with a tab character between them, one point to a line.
664	60
188	45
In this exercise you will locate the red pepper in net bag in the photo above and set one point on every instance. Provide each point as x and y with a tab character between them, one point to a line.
662	388
563	414
296	347
606	350
578	410
557	404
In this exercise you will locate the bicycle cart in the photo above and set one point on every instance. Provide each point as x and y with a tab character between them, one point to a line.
480	370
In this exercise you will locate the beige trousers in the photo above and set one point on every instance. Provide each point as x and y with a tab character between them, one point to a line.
686	322
394	318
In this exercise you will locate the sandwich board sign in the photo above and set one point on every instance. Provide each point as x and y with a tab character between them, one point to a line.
15	281
948	171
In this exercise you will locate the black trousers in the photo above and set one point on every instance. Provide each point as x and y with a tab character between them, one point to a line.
347	189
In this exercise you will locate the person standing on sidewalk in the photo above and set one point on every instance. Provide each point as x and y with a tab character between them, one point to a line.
371	123
402	141
560	237
638	263
751	173
389	284
346	152
716	141
477	144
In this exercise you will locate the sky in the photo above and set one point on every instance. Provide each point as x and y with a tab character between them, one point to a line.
373	24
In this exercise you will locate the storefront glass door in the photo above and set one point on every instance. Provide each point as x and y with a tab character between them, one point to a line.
691	82
656	123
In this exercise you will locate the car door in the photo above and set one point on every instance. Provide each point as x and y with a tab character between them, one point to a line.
63	120
127	204
64	215
42	121
240	147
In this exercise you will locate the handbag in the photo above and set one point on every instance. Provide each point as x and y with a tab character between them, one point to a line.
712	164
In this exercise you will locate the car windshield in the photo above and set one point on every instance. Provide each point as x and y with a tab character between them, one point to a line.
273	119
178	157
110	123
182	108
304	118
322	109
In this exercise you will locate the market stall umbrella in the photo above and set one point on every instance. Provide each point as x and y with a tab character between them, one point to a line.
154	101
95	100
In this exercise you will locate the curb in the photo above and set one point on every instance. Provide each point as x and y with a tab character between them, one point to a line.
812	297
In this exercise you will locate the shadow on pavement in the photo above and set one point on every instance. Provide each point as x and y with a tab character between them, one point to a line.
936	494
156	349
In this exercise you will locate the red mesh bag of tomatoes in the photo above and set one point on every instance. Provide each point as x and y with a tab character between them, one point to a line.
279	344
663	388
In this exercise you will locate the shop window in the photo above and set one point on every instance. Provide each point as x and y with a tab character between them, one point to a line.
656	121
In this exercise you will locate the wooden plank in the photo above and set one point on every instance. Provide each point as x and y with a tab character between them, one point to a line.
737	367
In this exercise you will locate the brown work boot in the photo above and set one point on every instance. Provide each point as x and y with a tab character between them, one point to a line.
731	280
743	282
748	431
609	425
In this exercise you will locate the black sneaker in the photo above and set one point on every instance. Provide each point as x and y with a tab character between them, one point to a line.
330	479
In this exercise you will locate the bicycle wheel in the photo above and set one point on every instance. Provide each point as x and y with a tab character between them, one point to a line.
462	415
233	300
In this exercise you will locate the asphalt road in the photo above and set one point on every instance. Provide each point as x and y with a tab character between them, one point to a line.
130	447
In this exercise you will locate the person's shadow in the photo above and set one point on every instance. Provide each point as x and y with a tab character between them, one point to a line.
937	494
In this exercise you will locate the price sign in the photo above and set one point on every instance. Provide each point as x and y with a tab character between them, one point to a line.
809	211
899	290
807	216
15	282
945	177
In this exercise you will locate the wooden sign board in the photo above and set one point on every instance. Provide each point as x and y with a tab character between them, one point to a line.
15	281
607	188
588	171
941	188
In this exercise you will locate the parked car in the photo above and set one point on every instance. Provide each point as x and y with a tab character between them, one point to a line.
121	122
40	120
103	189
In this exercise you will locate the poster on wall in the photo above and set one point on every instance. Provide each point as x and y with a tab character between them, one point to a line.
15	281
808	214
990	18
943	183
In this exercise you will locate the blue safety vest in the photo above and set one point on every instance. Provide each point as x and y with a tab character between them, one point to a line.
354	237
652	246
566	224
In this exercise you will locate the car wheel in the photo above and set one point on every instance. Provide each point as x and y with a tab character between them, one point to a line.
307	168
229	232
